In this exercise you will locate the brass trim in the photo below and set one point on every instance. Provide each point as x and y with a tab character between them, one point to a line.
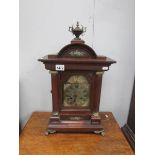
51	131
96	114
102	133
53	72
75	118
76	53
99	73
55	113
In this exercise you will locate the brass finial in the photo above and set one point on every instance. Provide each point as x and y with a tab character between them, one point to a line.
77	24
77	31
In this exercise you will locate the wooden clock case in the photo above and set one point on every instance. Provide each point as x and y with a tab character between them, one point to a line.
78	59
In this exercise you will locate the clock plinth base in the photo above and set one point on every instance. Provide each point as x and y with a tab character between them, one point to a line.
82	126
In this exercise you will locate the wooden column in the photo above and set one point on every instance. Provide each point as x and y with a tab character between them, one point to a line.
98	85
55	90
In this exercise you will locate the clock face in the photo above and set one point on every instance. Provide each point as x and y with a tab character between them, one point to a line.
76	92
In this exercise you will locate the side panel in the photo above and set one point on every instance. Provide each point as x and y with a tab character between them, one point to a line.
97	91
55	80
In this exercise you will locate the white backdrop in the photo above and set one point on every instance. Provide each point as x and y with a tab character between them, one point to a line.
44	30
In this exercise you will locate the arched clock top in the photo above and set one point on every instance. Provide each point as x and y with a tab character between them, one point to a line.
77	50
77	56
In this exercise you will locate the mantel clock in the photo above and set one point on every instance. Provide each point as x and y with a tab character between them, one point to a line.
76	77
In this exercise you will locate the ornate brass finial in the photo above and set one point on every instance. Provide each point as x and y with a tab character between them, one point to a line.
77	31
77	24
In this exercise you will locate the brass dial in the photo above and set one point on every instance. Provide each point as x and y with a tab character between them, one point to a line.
76	91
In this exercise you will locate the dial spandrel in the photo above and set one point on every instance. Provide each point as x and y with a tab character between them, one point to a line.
76	91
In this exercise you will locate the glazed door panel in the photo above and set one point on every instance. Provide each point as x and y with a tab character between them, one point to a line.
77	91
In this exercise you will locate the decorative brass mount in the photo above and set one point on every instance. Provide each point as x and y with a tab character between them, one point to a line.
100	132
49	131
53	72
55	114
96	114
99	72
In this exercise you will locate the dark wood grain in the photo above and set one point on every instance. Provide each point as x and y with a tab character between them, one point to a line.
130	136
129	128
55	92
34	142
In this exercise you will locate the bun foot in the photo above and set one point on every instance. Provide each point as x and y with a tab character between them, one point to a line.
49	131
100	132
